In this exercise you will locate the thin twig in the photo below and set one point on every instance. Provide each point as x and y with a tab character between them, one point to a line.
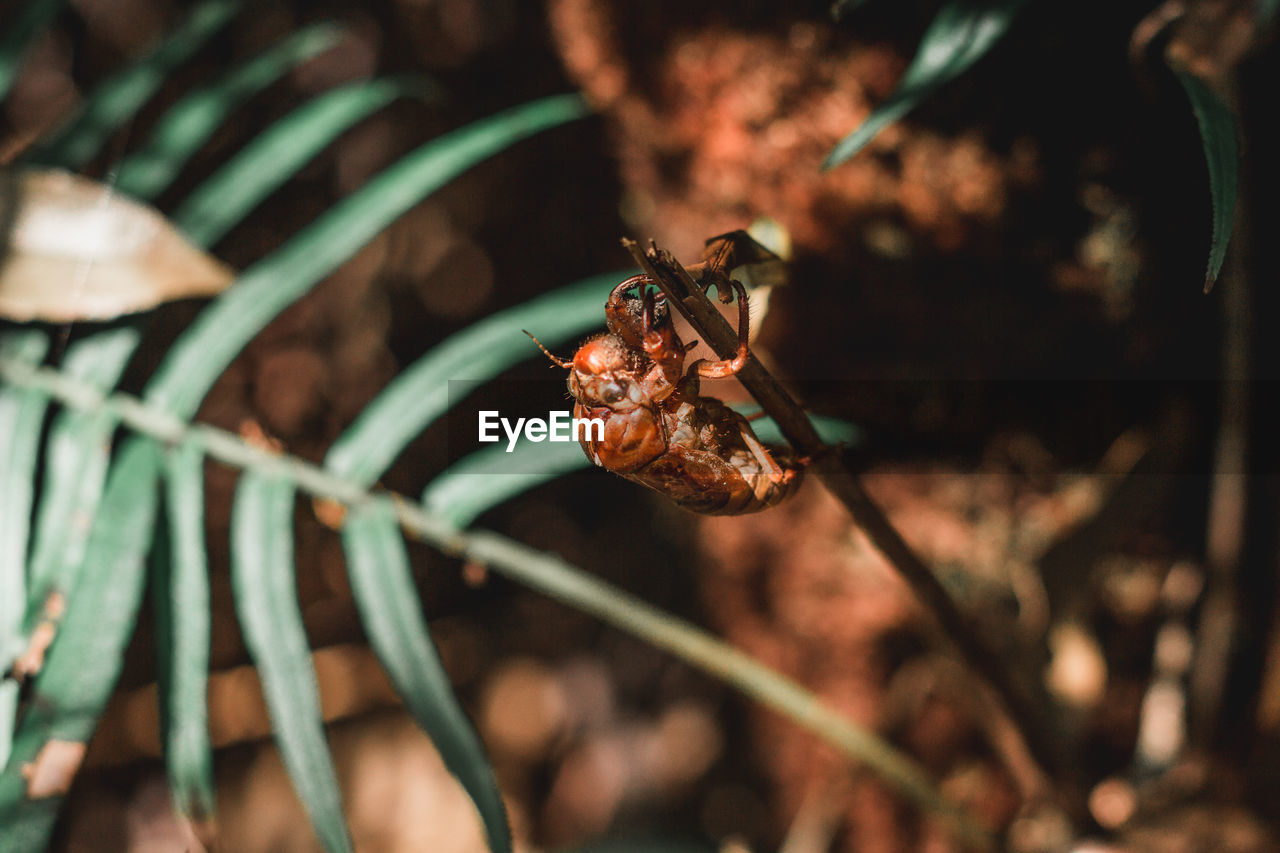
1030	746
544	572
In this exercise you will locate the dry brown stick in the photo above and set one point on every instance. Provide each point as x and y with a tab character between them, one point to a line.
1030	746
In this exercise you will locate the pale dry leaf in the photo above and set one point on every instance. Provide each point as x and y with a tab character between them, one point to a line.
74	249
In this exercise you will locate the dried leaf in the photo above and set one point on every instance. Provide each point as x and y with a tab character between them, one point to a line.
77	250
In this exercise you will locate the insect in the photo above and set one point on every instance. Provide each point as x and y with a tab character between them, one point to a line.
659	431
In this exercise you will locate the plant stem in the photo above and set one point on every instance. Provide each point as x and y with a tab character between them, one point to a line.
1029	746
544	572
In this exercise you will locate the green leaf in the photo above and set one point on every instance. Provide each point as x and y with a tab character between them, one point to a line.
22	412
117	100
269	286
181	602
382	582
77	456
1218	133
961	33
262	582
830	430
189	123
31	20
420	394
258	169
84	662
482	480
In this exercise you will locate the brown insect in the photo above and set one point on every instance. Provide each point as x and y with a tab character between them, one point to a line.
659	431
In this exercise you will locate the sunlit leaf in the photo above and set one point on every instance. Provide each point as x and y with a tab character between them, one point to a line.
84	663
420	394
275	154
78	250
117	100
961	33
17	34
180	595
391	611
1218	133
189	123
266	288
22	412
76	459
482	480
265	591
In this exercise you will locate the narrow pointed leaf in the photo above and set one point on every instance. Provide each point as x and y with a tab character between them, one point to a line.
482	480
22	412
17	32
420	395
77	457
266	598
276	154
391	611
1218	133
190	122
84	662
478	482
961	33
269	286
117	100
181	603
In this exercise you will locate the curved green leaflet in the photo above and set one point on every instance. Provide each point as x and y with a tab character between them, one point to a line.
22	412
188	124
117	100
478	482
17	35
482	480
275	154
180	599
265	289
1221	151
420	394
961	33
83	665
77	454
265	592
391	611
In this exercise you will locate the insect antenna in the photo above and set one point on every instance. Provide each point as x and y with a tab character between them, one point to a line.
547	352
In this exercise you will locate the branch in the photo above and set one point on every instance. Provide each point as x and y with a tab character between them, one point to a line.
1028	743
541	571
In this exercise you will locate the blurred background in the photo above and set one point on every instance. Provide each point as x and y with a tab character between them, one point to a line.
1003	291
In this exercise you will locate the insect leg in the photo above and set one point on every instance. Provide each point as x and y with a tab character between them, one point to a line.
721	369
764	457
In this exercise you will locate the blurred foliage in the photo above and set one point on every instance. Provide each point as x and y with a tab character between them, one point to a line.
963	31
